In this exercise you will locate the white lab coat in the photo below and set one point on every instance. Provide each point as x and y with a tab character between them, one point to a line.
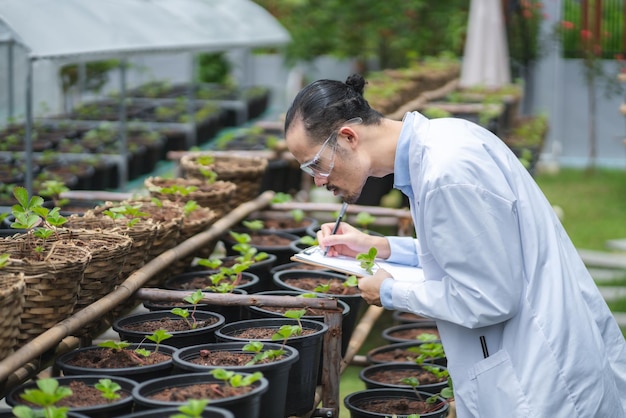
497	263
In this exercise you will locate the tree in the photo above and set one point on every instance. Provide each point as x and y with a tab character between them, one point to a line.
393	32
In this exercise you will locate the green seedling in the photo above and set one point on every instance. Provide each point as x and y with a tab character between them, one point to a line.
308	240
364	219
430	349
227	278
192	409
246	251
53	189
368	260
190	206
445	393
235	379
322	288
351	281
109	389
175	189
257	347
211	263
287	331
281	197
46	396
115	345
126	211
192	299
255	225
158	337
4	260
30	213
156	202
298	215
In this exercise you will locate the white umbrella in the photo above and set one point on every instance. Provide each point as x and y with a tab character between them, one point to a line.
486	55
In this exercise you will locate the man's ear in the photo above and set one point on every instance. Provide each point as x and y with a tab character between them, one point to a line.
350	135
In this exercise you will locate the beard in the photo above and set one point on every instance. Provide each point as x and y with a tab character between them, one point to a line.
352	197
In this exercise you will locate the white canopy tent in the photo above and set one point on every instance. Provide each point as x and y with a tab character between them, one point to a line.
83	30
486	54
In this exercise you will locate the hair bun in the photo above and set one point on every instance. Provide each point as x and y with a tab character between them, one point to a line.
356	82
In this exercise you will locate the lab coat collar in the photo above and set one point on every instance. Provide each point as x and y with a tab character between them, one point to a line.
412	122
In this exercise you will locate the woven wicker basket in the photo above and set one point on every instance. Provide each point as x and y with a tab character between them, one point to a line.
245	171
142	234
108	255
52	283
197	221
216	196
169	216
11	306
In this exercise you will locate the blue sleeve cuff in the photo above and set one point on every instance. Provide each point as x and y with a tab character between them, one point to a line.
385	293
404	250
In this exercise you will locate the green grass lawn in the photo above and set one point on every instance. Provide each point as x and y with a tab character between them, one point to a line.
593	204
594	208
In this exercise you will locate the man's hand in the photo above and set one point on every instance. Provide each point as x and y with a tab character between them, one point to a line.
370	286
349	241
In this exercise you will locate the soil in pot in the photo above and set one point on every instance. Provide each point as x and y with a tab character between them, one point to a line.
328	284
207	412
232	356
242	401
383	403
407	317
408	351
137	327
286	223
277	243
311	313
294	265
119	362
85	398
202	280
391	375
303	375
411	331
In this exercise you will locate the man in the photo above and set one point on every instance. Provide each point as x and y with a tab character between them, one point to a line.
525	330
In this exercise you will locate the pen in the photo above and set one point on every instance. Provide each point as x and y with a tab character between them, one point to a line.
342	212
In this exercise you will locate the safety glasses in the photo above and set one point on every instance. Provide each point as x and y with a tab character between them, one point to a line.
320	165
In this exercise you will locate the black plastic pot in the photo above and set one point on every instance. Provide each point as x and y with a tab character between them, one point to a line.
294	265
367	376
105	410
401	317
276	372
261	268
283	253
416	327
353	403
7	413
355	301
208	412
264	312
179	339
304	372
402	353
200	280
230	313
247	405
137	374
300	230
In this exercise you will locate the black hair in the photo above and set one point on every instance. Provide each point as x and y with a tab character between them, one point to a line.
325	104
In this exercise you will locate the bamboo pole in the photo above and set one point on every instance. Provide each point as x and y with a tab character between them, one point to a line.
48	339
359	335
229	299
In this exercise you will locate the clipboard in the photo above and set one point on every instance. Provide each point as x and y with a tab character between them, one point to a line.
349	265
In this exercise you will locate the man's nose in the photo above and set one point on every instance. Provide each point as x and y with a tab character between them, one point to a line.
319	181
